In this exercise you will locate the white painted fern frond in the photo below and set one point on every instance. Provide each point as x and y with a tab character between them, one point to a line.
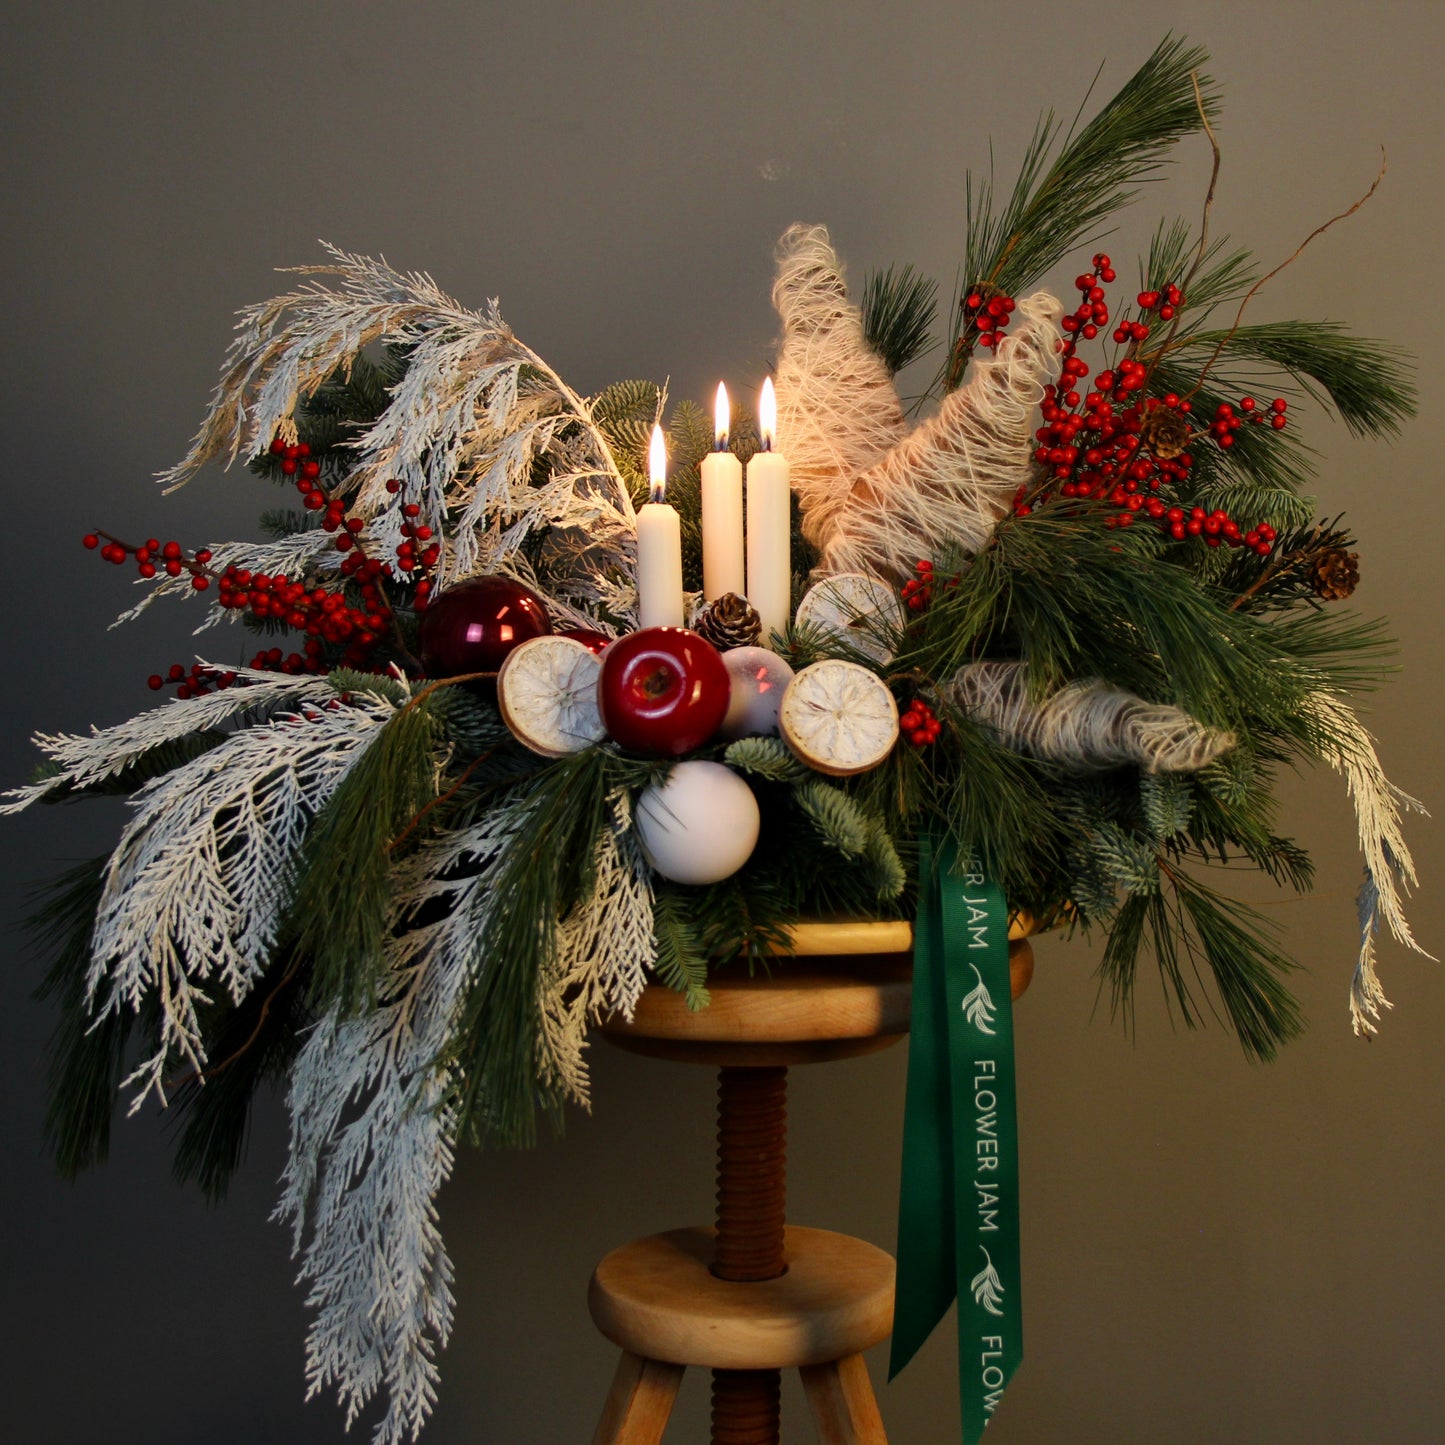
193	891
88	758
1346	745
372	1141
605	950
1085	725
473	415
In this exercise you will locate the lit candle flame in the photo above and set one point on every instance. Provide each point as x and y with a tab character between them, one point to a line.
721	419
657	465
768	415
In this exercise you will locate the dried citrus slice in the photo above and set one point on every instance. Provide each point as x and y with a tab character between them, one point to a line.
838	717
547	693
861	611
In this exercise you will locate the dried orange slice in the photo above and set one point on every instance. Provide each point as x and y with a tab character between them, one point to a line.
547	694
862	612
838	717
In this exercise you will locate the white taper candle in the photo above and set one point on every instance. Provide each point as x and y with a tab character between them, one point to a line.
770	568
722	511
659	549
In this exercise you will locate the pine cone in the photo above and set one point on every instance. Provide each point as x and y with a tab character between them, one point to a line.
730	622
1165	432
1335	574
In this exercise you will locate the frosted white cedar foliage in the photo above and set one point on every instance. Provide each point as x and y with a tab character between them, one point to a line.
90	758
372	1139
605	950
475	410
193	892
1349	750
371	1144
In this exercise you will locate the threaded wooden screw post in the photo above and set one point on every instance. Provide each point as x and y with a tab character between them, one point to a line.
752	1132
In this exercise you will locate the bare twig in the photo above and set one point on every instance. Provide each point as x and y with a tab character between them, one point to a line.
1249	295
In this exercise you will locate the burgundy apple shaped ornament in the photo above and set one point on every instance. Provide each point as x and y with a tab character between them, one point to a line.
663	691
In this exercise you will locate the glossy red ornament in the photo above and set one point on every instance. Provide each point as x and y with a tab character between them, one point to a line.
592	640
663	690
473	625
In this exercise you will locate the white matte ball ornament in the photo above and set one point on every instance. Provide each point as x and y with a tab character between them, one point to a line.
758	679
700	826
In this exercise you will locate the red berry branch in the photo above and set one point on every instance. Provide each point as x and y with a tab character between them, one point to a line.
1110	443
326	616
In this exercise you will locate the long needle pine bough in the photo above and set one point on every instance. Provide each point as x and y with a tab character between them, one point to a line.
352	881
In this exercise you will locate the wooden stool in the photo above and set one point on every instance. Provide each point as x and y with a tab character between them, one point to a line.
754	1296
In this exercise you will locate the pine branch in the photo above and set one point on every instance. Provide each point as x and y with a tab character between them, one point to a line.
1095	174
899	308
252	1045
540	875
1369	384
765	757
86	1056
681	963
341	902
838	820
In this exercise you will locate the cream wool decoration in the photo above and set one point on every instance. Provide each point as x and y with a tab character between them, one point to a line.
837	410
875	496
1085	725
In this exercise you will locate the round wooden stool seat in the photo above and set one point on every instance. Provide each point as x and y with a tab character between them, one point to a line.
657	1298
846	990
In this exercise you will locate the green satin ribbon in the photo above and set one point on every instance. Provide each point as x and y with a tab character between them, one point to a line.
958	1216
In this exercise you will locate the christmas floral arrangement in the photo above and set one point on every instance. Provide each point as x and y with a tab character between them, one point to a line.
472	783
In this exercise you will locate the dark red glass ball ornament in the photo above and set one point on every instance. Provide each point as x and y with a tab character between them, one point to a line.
589	637
474	624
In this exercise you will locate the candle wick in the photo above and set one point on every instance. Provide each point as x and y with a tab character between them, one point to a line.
722	442
767	443
656	492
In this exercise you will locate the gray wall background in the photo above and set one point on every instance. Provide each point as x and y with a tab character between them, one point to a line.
1213	1251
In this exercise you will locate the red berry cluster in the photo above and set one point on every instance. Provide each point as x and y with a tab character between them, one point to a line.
919	725
409	560
1215	528
918	590
1093	310
1227	420
1166	302
153	557
989	311
1111	444
325	616
297	461
200	680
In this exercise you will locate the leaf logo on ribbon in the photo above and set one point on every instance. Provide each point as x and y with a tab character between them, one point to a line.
987	1286
978	1005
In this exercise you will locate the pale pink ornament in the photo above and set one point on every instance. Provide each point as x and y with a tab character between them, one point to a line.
758	680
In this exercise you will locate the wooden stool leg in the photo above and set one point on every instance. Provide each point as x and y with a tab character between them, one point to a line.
638	1403
841	1398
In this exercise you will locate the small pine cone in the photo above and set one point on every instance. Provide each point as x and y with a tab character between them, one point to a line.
730	622
1165	431
1335	574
